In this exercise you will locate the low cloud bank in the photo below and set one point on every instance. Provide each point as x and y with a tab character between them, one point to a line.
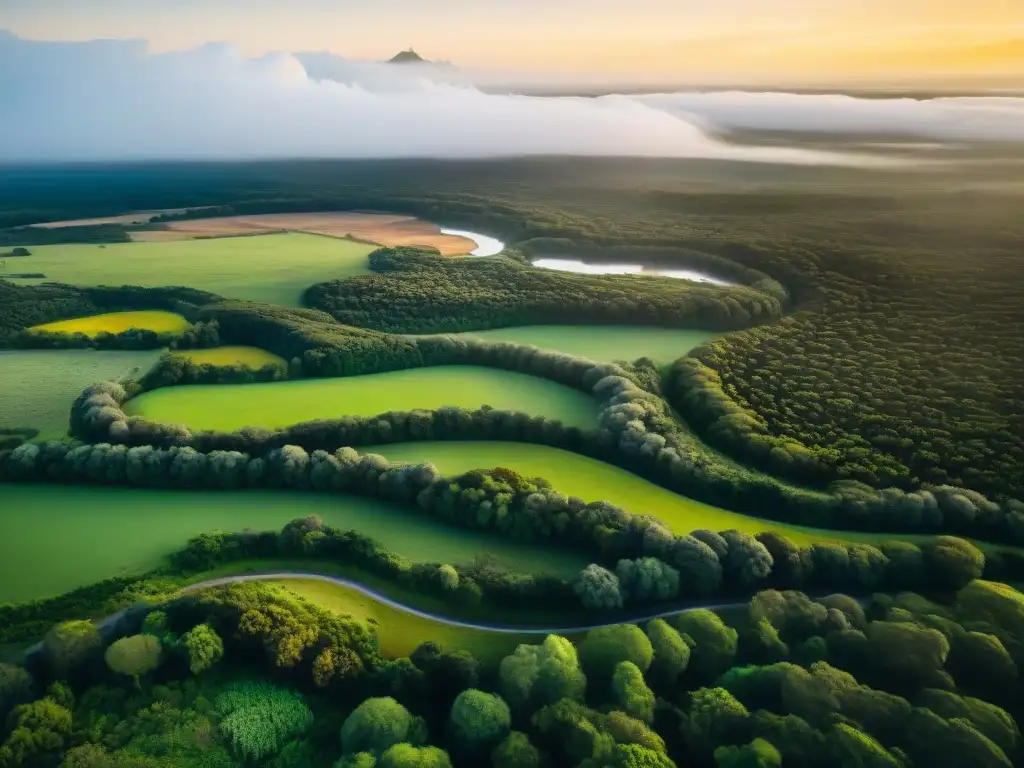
988	118
105	100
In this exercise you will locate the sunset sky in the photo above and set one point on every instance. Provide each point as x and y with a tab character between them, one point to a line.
653	39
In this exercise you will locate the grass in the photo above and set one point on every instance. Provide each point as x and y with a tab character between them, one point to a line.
229	407
400	633
40	385
594	480
275	269
56	538
605	343
116	322
251	357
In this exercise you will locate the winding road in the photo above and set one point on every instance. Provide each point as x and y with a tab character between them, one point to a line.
633	618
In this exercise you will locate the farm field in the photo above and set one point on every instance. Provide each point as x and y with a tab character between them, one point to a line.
40	385
271	268
383	228
228	407
251	357
98	532
116	322
400	633
604	343
593	480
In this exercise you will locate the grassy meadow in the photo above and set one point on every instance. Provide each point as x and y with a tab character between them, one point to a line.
400	633
250	357
604	343
40	385
93	532
275	269
227	407
116	322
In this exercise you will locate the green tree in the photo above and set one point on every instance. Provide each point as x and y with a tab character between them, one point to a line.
409	756
990	720
535	675
671	652
379	723
258	719
516	751
850	747
602	649
598	588
714	642
757	754
953	563
637	756
37	729
630	693
203	647
714	717
70	645
15	687
647	579
358	760
478	722
134	656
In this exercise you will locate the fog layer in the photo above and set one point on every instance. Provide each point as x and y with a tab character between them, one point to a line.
115	100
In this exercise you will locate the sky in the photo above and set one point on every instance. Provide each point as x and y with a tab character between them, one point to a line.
642	40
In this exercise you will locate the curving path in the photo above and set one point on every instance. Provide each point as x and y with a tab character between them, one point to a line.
631	618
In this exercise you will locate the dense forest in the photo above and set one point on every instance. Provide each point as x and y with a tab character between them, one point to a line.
906	322
250	674
872	371
415	291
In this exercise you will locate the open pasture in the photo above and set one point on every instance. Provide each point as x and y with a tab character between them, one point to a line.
593	480
400	633
381	228
273	268
605	343
228	407
40	385
117	322
93	533
250	357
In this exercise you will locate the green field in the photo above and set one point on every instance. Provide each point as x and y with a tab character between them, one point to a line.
593	480
274	269
251	357
87	533
228	407
40	385
116	322
400	633
604	343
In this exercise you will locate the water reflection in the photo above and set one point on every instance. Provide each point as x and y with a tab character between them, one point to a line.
582	267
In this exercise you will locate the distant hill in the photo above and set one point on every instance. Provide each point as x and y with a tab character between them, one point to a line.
407	57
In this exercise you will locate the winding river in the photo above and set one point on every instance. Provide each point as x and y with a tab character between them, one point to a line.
585	268
490	246
485	246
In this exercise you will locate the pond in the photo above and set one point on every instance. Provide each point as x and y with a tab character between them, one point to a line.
586	268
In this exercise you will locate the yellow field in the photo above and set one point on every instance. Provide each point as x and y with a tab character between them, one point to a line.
116	322
250	357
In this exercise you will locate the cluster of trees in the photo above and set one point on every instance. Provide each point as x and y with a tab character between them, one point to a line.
312	341
252	674
133	338
173	369
636	429
417	291
92	233
637	558
24	306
